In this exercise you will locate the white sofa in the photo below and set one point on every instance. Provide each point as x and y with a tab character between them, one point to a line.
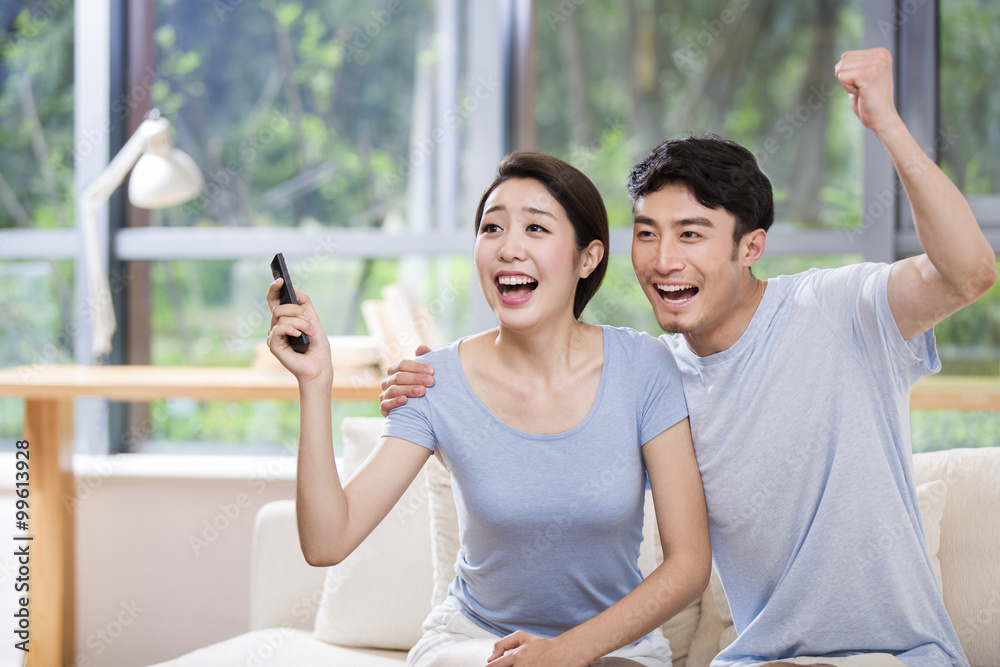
367	610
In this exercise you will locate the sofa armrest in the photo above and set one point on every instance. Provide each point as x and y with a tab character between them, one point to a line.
285	590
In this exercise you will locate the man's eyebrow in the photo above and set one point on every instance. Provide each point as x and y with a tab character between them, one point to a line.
693	222
683	222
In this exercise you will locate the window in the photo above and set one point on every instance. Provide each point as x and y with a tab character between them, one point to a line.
331	131
36	191
357	137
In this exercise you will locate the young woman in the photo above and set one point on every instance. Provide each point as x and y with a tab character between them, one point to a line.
549	427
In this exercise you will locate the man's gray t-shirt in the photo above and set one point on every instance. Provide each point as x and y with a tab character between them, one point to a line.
801	430
549	525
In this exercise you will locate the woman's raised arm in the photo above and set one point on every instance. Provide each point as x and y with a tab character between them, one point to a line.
332	519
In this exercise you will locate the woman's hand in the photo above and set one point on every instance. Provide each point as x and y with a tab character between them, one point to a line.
527	650
293	320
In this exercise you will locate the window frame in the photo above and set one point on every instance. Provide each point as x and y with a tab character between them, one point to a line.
492	37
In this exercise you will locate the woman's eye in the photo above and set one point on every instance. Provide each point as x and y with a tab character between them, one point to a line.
488	228
536	228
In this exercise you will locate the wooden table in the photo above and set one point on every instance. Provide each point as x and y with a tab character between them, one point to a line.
944	392
49	392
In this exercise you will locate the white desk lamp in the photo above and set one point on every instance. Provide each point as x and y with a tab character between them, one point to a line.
163	176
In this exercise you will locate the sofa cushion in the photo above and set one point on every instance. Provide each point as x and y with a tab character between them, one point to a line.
444	529
970	542
284	647
379	595
444	547
931	497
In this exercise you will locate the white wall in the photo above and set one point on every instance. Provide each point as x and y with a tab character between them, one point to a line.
163	553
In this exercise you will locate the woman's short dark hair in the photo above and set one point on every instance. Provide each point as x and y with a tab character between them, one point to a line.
718	172
577	195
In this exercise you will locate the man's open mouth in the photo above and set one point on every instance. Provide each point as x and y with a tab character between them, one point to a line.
676	293
516	287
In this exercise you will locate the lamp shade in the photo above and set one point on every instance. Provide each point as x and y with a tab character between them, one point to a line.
161	181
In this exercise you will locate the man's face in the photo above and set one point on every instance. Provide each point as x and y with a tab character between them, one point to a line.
685	259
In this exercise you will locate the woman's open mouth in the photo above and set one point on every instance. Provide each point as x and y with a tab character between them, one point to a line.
515	289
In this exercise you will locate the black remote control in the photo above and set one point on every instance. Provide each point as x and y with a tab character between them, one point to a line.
279	270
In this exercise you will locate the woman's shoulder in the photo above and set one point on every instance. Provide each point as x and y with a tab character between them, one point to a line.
641	350
632	337
445	358
439	352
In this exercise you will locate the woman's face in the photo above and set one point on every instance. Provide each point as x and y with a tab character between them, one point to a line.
526	257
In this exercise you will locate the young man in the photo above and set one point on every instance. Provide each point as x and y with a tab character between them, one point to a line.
798	391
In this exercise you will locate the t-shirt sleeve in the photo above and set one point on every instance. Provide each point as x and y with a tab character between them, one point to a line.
855	300
410	422
660	402
413	421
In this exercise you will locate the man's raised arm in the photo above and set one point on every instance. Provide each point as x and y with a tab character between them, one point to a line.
958	264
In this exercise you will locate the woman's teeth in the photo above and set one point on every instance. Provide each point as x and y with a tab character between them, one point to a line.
509	284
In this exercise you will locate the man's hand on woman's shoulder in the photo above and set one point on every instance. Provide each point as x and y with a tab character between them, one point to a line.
405	378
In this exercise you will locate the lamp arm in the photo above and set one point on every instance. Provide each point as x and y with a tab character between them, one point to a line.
99	299
104	185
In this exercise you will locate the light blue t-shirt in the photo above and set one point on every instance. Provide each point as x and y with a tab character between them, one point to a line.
801	430
549	525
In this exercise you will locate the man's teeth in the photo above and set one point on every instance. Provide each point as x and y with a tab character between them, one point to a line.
516	280
673	288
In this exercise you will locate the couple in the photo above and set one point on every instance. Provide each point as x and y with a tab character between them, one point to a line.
797	390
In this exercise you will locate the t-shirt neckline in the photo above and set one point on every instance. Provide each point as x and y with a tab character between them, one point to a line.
763	314
525	434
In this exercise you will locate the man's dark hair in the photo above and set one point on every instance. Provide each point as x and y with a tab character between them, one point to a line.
718	172
578	196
